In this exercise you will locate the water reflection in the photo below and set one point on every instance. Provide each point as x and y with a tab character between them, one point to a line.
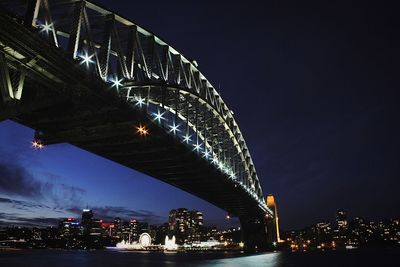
271	259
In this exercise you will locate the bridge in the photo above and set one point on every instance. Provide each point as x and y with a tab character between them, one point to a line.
78	73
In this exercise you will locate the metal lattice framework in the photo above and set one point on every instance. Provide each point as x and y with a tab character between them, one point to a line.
153	76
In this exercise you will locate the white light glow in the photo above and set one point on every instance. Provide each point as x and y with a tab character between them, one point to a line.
215	161
158	116
46	27
174	128
140	101
187	138
86	59
197	147
116	82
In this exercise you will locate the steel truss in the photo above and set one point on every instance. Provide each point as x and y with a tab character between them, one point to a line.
145	70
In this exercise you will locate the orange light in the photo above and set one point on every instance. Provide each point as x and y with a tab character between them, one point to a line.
37	144
142	130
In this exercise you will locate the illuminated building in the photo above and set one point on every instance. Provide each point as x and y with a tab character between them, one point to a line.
341	220
69	227
185	224
273	222
340	233
134	230
195	225
87	218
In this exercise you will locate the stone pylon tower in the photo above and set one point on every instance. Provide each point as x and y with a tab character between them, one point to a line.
273	222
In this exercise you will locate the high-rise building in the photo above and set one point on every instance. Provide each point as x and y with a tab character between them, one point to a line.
69	227
186	225
195	225
340	232
134	230
273	222
87	219
341	220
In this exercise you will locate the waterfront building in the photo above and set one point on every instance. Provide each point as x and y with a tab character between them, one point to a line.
186	225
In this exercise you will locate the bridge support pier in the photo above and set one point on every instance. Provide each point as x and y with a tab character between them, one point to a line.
254	232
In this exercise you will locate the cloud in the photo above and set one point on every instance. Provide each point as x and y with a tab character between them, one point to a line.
15	180
109	213
20	204
8	219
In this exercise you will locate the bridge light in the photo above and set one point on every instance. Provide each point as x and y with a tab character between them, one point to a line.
187	138
37	144
228	217
206	154
140	101
215	160
221	165
116	82
197	147
86	59
158	116
174	128
142	130
46	27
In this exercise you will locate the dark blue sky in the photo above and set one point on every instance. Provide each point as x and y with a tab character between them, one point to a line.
314	87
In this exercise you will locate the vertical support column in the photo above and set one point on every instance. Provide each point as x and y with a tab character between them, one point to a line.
75	32
177	95
130	56
166	61
135	47
49	21
31	13
121	57
196	122
104	55
7	92
20	80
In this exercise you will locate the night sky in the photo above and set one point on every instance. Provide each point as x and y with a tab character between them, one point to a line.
314	88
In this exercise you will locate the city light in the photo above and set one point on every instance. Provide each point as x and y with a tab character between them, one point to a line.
142	130
86	59
37	144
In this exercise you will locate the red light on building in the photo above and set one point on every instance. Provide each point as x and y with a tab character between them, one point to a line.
133	221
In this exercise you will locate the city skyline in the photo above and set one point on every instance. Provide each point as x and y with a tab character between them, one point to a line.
319	121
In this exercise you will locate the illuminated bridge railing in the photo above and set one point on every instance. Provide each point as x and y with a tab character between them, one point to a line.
151	75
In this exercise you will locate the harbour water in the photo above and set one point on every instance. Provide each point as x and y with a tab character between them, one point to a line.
63	258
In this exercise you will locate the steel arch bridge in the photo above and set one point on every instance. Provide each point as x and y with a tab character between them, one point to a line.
79	73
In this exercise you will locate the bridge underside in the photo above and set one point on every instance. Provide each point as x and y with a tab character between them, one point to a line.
112	134
75	108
